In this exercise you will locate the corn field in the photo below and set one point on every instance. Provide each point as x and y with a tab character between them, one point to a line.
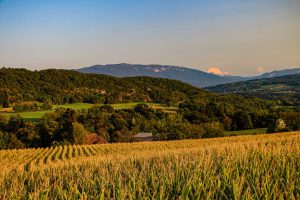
243	167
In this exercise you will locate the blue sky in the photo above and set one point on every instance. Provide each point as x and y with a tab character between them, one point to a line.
235	36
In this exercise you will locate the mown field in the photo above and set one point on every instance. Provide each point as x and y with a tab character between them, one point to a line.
246	132
243	167
36	115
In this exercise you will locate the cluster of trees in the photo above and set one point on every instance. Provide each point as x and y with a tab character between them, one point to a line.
32	106
285	122
232	113
66	126
16	133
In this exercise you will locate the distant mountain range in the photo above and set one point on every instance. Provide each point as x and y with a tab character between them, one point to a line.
192	76
278	73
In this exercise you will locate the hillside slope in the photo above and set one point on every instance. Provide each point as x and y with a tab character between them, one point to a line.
67	86
278	73
285	88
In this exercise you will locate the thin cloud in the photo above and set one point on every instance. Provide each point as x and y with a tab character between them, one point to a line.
217	71
260	69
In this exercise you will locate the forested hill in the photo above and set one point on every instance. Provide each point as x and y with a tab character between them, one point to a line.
284	88
66	86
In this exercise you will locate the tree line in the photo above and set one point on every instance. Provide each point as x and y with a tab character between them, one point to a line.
67	126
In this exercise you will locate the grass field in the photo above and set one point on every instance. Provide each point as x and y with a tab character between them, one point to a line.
246	132
35	116
243	167
80	106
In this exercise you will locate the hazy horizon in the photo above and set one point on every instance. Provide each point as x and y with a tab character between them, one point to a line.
233	37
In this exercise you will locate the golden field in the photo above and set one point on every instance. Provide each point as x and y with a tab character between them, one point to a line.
242	167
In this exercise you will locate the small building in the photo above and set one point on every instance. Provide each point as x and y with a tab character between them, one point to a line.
142	137
93	138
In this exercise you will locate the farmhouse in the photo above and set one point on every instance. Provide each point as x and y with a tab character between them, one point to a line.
142	137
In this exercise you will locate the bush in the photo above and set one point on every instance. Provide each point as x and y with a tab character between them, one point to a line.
4	139
214	129
3	122
79	134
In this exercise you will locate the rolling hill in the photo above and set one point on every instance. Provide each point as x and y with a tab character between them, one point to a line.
68	86
284	88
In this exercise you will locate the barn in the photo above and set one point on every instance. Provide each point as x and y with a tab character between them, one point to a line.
142	137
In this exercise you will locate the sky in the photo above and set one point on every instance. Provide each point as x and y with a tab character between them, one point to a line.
236	37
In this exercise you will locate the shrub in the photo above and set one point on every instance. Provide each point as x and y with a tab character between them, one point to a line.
79	134
214	129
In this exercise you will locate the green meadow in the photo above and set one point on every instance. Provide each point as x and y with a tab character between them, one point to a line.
246	132
36	115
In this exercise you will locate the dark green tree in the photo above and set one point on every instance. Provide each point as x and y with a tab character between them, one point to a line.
242	121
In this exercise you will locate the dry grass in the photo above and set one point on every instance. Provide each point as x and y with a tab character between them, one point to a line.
243	167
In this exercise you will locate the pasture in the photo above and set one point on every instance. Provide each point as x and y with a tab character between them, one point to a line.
246	132
37	115
243	167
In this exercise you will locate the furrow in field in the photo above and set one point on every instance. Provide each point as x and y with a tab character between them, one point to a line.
86	151
31	162
43	156
80	151
75	151
70	152
92	150
64	153
48	157
58	154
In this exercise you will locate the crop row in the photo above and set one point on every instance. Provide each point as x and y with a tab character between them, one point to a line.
245	167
